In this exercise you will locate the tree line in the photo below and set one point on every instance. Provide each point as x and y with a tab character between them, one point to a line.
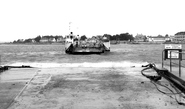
38	39
117	37
120	37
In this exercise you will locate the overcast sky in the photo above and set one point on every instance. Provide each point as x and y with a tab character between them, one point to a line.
21	19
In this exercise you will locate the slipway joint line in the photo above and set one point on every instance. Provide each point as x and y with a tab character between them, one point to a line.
19	94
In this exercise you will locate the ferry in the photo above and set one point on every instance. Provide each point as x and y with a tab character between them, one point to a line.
73	44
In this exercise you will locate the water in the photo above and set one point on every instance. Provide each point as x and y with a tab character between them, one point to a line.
55	54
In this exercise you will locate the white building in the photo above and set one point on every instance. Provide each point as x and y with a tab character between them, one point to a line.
158	39
178	38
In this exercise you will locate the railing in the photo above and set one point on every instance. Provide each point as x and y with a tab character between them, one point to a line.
179	60
175	82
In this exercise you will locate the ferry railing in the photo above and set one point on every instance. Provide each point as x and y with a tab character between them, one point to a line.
179	53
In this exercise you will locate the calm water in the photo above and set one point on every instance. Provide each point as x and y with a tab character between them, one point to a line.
55	54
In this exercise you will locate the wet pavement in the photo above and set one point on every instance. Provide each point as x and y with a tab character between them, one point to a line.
11	83
92	88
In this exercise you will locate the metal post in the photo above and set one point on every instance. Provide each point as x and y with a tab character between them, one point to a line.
179	65
162	59
170	61
179	72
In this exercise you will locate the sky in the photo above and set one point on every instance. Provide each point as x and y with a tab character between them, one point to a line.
23	19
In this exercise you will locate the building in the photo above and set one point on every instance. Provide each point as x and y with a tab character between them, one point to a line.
178	38
140	38
44	39
158	39
51	39
60	39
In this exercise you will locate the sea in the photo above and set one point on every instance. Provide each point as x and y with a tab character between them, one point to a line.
47	55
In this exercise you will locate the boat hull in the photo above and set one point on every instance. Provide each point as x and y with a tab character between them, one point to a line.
73	50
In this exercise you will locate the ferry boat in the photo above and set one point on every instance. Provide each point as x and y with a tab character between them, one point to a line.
73	44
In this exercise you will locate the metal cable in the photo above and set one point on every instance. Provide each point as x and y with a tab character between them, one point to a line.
153	80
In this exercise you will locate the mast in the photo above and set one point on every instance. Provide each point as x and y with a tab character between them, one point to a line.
70	27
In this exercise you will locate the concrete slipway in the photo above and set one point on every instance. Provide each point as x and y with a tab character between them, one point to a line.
82	88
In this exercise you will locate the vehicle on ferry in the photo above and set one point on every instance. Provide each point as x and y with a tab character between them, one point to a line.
73	44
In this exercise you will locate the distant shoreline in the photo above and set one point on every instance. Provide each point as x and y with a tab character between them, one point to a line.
32	43
111	42
132	42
